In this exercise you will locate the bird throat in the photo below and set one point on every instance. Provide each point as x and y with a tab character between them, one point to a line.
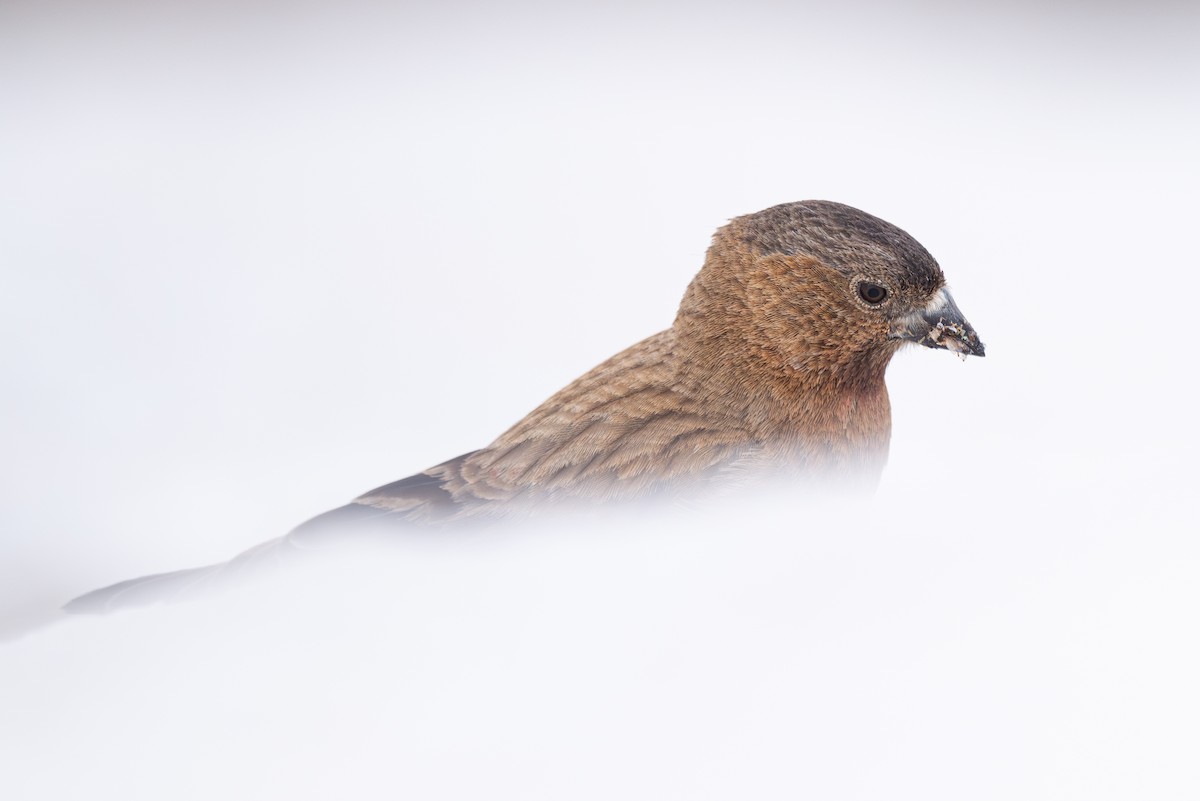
830	417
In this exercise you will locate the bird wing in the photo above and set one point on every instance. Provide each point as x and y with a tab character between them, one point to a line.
629	428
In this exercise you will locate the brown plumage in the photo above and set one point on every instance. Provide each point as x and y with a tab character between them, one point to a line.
775	364
774	367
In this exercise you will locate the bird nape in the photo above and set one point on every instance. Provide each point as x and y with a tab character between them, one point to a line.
772	370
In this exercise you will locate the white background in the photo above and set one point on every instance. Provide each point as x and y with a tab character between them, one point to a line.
258	258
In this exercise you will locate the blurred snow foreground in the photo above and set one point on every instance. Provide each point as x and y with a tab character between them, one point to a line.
920	644
349	532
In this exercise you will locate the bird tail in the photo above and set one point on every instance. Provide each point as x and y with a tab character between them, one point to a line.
178	585
334	528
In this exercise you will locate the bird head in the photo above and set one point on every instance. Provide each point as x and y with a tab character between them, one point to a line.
824	289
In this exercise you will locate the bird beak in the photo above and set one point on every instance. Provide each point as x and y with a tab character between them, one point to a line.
939	325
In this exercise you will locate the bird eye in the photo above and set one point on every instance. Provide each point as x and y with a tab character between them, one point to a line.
872	293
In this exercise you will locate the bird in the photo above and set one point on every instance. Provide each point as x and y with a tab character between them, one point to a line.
773	370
